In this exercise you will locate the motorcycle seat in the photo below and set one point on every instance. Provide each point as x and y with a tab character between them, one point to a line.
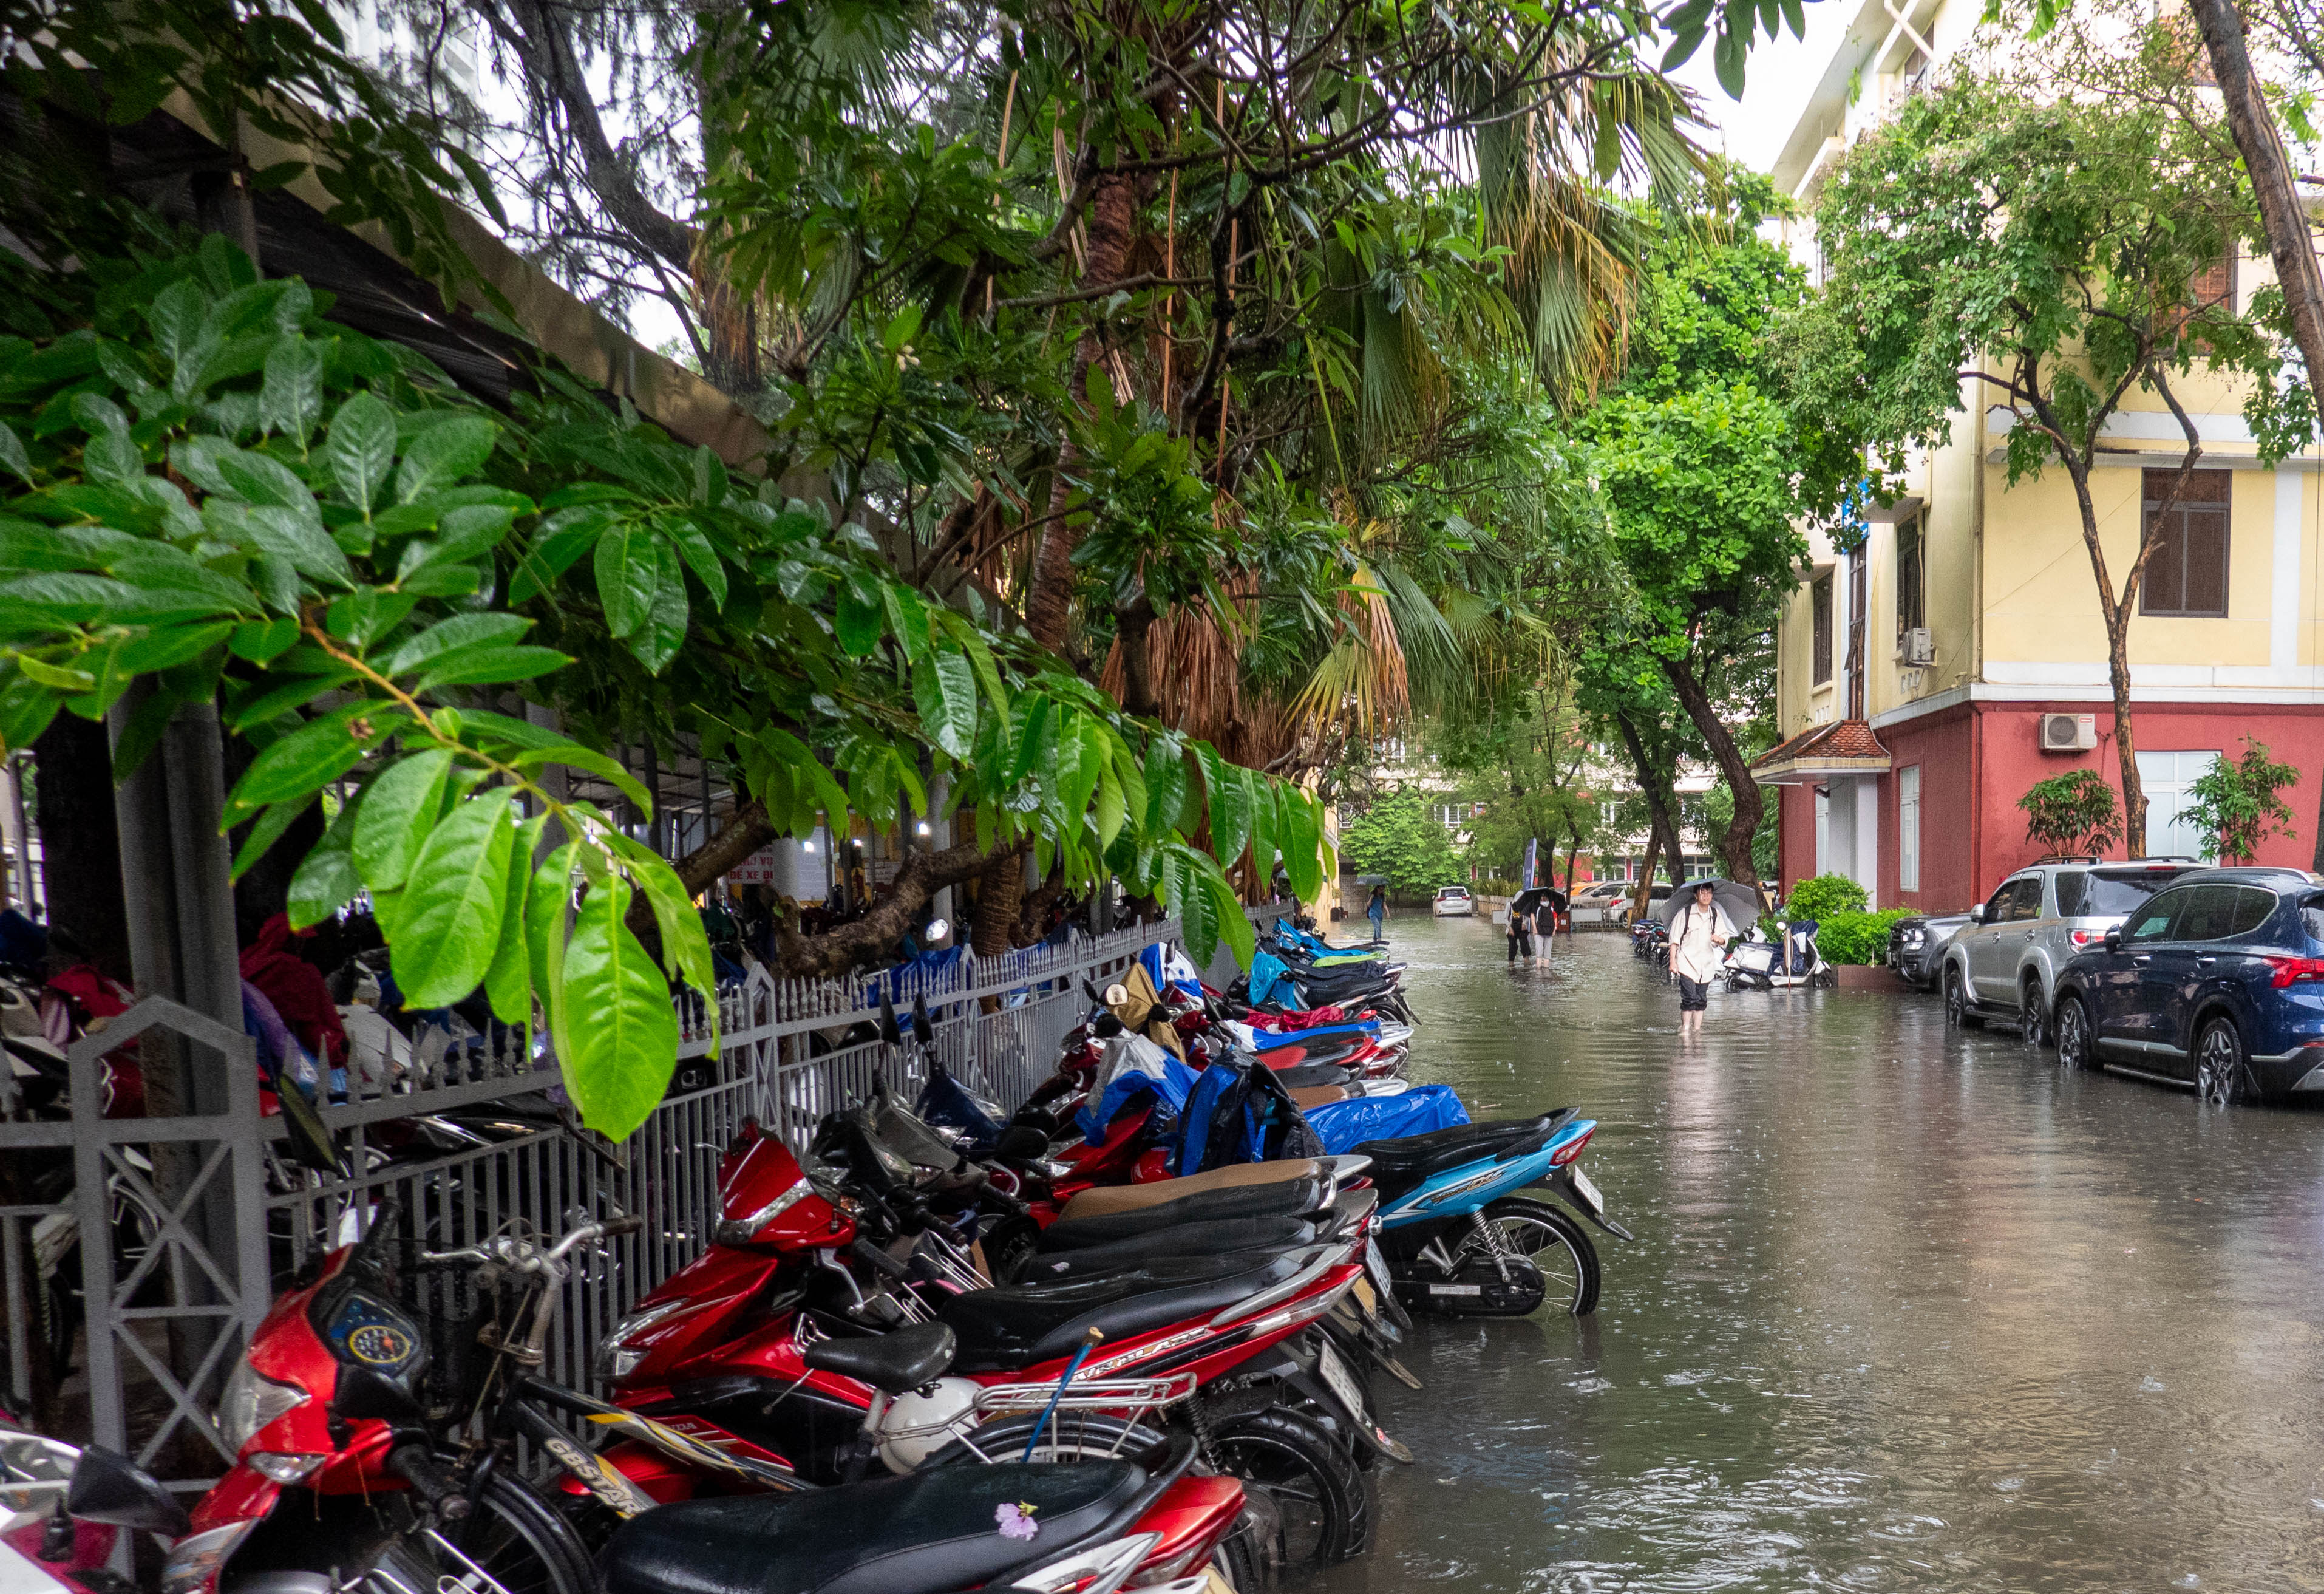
1215	1239
1318	1096
925	1532
1108	1198
905	1360
1323	1052
1397	1165
1022	1326
1294	1198
1306	1075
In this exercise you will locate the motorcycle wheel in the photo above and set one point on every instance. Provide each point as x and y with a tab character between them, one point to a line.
1325	1511
1557	1244
520	1542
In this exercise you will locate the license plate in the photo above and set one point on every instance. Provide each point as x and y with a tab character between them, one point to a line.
1376	1265
1342	1382
1587	1190
1362	1292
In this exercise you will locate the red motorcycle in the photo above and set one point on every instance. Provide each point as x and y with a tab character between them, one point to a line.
1136	1310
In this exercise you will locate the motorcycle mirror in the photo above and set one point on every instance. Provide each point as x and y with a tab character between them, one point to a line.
922	1030
109	1488
888	1030
1116	995
1106	1027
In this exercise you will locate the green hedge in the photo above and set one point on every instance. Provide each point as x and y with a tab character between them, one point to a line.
1824	899
1857	938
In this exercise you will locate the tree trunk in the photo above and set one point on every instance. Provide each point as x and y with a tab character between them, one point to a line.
746	830
1750	803
1644	897
1048	606
80	843
1134	630
999	894
1658	787
2125	746
2281	215
869	938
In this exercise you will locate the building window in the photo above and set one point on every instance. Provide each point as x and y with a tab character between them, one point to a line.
2187	573
1908	827
1910	611
1823	831
1821	596
2165	778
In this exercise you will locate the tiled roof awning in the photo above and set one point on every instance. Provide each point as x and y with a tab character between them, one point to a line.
1821	753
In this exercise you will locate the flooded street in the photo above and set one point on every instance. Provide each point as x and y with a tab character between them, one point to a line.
1908	1309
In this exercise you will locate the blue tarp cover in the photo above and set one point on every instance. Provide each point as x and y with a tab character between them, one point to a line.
1169	1088
1346	1125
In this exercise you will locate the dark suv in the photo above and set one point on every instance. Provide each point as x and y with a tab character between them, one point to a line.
2217	981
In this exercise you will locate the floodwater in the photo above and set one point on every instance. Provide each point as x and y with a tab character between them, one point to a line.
1909	1309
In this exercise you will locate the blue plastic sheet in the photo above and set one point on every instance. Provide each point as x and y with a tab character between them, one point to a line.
1167	1089
1268	1040
1270	981
1346	1125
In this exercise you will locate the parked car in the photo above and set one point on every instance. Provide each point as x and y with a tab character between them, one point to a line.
1660	892
2216	982
2004	962
1916	946
1453	901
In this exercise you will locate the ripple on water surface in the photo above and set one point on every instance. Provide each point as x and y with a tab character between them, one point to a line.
1909	1309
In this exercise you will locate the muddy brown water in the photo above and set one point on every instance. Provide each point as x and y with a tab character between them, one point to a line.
1910	1308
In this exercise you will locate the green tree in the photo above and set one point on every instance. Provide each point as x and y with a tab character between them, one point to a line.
2072	812
2046	250
1709	467
1398	838
2237	804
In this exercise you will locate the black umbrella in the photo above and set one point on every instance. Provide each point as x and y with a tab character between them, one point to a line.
1529	900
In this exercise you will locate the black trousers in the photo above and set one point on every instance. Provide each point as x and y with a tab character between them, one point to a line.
1520	942
1693	995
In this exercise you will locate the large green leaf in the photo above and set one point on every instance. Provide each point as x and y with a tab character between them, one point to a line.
311	757
858	617
547	900
268	830
1233	927
943	689
460	631
629	574
448	931
1300	839
361	448
444	453
327	880
1165	784
397	811
508	982
623	1031
657	641
684	947
1264	820
1227	802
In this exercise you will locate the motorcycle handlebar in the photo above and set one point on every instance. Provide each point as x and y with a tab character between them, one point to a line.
417	1466
868	1252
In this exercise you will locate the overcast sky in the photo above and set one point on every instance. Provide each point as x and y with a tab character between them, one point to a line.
1775	84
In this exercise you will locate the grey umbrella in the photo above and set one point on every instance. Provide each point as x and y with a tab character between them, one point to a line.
1741	902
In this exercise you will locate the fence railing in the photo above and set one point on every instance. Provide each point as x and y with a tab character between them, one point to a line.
174	1274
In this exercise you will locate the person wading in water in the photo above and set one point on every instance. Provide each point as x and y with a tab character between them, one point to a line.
1699	934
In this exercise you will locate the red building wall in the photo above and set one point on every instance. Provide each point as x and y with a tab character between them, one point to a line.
1977	759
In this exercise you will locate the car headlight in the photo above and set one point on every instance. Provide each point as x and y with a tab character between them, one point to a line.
194	1560
1914	938
251	1401
741	1231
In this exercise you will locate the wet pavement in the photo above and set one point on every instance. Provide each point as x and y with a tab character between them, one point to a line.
1909	1309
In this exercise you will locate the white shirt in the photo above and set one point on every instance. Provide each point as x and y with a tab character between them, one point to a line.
1692	951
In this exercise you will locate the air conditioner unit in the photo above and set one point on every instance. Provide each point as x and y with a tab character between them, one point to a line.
2068	733
1918	646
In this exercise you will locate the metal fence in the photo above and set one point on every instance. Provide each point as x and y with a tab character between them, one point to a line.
175	1273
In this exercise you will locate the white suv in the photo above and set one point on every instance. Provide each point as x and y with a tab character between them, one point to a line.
2003	964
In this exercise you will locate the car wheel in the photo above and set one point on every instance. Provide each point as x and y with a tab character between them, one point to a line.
2222	1074
2033	1018
1957	1003
2075	1041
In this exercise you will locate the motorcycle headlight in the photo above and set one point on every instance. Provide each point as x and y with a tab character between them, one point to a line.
616	1357
194	1562
251	1401
741	1231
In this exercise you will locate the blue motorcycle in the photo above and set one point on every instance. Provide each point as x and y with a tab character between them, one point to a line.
1457	1237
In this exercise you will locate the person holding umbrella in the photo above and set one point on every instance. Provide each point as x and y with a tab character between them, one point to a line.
1700	926
1533	921
1377	909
